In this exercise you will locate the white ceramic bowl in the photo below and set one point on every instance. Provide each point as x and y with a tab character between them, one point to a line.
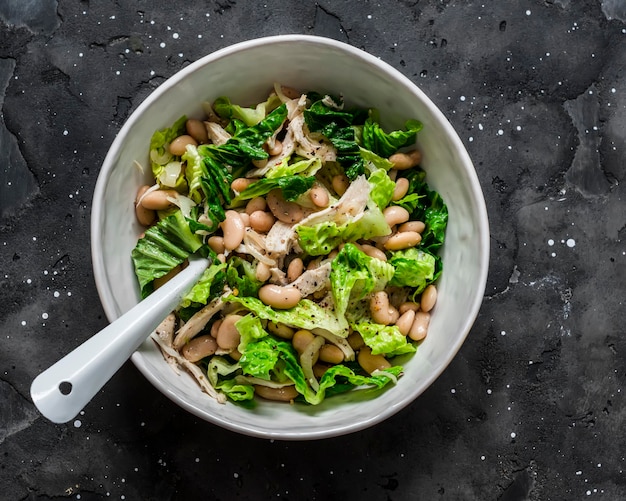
245	72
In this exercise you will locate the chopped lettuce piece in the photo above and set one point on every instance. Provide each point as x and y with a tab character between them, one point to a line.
221	374
241	277
413	268
384	144
291	186
382	188
338	126
354	274
321	238
163	247
160	156
259	359
249	116
250	329
305	315
425	205
209	286
383	339
304	166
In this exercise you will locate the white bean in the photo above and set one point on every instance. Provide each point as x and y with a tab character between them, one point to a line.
234	229
279	297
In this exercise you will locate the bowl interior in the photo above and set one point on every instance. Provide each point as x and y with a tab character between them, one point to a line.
246	73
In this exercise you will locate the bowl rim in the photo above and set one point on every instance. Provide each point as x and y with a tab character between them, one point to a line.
97	207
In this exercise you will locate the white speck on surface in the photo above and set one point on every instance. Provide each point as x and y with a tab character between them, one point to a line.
550	242
23	322
452	390
528	12
500	132
175	36
503	333
482	458
553	254
488	391
65	132
162	45
77	423
56	294
44	316
570	242
462	98
513	434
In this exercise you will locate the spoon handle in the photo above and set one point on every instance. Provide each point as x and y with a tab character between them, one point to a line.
62	390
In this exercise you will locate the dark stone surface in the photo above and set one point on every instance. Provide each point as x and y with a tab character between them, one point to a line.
531	408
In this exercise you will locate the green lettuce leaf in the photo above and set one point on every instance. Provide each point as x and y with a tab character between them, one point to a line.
163	247
160	156
209	286
375	139
305	167
241	277
291	186
305	315
320	239
260	358
339	127
221	374
249	116
383	339
250	329
382	188
413	268
354	274
372	159
426	205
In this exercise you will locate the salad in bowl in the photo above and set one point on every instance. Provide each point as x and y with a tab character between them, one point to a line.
324	240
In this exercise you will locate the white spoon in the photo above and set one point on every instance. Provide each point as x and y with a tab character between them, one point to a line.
61	391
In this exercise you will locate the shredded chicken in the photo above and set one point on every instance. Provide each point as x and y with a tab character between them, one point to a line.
197	322
216	133
281	240
306	145
165	332
195	371
313	280
350	205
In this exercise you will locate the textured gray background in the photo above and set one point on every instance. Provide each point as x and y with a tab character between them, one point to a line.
531	408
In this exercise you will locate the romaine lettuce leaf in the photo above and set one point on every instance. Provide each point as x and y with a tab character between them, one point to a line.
163	247
305	167
160	156
241	277
250	329
338	126
221	374
354	274
383	339
413	268
321	238
259	358
305	315
385	144
382	188
425	205
249	116
291	186
210	285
